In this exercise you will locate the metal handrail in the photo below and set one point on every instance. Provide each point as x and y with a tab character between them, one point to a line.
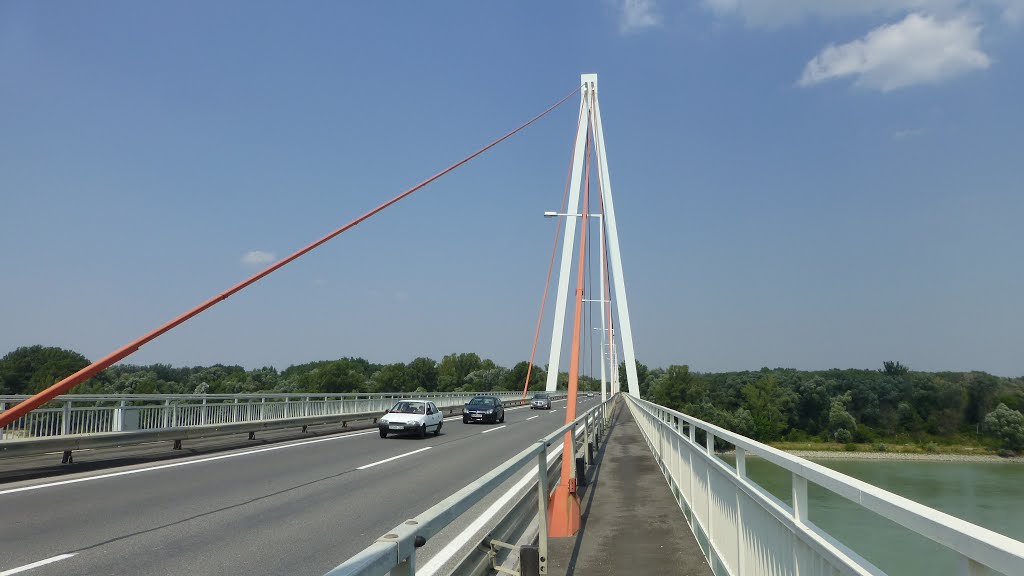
395	551
76	427
672	435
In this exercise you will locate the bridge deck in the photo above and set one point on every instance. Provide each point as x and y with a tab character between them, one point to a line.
631	523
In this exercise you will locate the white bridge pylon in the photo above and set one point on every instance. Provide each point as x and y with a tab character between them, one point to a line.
590	119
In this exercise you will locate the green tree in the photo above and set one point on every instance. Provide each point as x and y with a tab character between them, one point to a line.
1007	425
340	376
677	387
894	369
765	401
485	379
841	424
453	369
422	373
516	377
32	369
642	375
392	378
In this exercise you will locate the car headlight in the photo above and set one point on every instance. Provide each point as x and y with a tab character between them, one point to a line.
491	411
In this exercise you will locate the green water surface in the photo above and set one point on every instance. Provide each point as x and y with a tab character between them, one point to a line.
990	495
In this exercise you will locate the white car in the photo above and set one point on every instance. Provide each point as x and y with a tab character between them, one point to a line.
411	417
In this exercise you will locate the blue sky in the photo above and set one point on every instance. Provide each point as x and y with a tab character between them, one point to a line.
798	183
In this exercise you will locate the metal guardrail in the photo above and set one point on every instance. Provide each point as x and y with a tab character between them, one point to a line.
81	421
395	551
747	529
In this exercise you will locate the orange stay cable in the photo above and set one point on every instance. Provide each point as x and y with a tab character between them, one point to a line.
30	404
551	264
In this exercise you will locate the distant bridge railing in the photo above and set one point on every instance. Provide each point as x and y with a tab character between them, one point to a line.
744	529
73	421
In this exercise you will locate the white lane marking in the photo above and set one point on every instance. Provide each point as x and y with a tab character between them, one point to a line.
532	417
459	541
365	466
177	464
37	564
493	429
75	450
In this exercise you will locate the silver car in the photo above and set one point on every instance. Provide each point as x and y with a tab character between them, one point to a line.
541	401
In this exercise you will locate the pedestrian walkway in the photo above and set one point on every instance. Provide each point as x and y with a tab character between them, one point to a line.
631	523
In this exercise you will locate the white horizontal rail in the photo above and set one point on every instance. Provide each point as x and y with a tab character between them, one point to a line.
72	415
749	531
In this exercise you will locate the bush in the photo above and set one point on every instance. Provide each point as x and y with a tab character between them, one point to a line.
881	448
1004	453
843	436
931	447
850	447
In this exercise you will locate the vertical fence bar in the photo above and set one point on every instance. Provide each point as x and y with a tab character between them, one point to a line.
65	420
542	506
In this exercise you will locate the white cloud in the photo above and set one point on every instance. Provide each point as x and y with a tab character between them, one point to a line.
638	15
257	257
920	49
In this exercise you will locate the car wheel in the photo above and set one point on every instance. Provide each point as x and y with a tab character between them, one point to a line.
465	420
383	433
502	416
423	431
438	431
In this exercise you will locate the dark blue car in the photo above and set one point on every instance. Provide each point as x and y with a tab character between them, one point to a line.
483	409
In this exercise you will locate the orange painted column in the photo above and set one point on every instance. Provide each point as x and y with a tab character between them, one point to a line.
564	504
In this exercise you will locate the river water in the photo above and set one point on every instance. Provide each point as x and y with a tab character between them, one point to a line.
990	495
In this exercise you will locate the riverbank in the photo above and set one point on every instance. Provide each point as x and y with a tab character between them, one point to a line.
908	456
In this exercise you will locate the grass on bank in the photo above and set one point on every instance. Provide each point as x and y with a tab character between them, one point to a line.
929	447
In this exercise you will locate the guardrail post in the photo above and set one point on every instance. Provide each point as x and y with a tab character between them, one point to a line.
202	412
969	567
167	413
799	498
542	506
586	440
263	404
237	416
118	423
406	567
65	421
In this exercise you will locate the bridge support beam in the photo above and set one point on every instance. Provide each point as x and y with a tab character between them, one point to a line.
590	119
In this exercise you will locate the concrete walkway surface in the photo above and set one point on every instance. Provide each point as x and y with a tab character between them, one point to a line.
631	523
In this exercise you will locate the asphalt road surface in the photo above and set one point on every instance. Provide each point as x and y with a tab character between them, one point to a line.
295	507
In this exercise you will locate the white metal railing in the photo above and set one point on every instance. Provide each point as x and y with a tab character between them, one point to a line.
745	530
75	414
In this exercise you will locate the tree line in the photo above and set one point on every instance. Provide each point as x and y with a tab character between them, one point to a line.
862	406
31	369
866	406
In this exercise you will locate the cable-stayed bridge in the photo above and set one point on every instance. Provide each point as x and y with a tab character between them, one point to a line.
303	484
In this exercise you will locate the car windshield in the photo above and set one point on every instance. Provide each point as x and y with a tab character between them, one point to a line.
482	400
409	408
540	397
